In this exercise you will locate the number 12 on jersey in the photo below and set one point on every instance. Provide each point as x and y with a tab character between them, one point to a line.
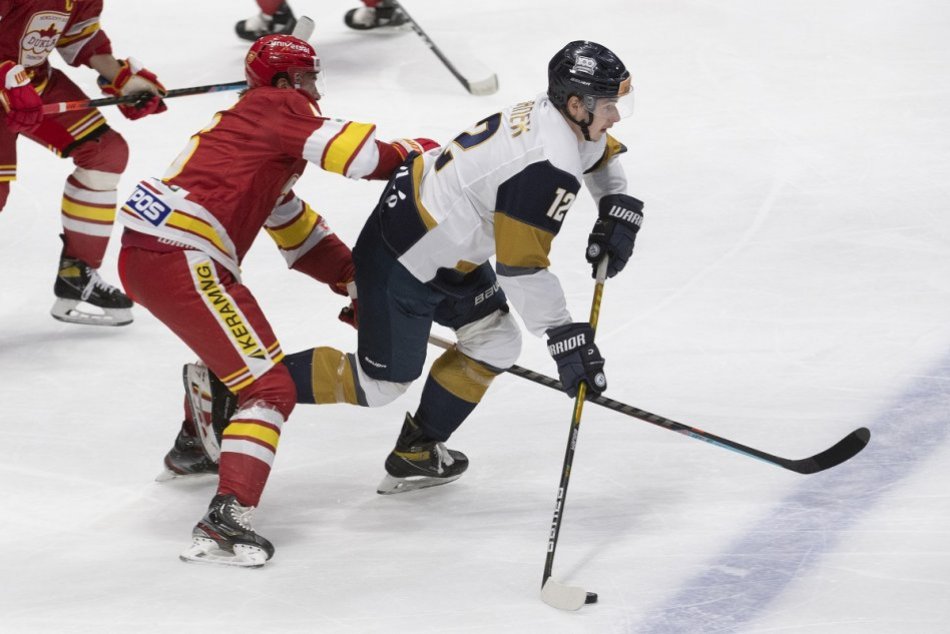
562	202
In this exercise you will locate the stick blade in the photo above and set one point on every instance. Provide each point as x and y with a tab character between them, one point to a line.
304	28
845	449
487	86
563	597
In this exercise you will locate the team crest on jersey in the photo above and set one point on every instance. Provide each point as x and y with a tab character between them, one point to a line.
40	37
584	65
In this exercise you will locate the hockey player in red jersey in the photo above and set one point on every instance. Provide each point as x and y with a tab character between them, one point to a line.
187	233
31	30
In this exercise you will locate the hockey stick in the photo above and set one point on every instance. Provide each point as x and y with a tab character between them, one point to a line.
485	86
845	449
553	592
86	104
303	30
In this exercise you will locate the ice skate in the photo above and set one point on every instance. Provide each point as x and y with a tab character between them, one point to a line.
224	536
418	462
82	297
187	457
211	405
366	18
283	21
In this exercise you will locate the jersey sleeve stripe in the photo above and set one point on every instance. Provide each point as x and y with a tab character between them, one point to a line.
292	234
520	245
343	147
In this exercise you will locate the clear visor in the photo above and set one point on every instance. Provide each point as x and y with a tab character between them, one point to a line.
311	81
613	108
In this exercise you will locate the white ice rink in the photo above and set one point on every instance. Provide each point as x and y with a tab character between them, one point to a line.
791	283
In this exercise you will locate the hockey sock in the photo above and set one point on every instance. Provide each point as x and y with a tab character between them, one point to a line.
455	385
324	375
248	446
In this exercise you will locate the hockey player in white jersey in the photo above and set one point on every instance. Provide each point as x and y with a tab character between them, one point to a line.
501	189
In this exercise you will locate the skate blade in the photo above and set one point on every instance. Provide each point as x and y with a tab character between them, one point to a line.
168	474
73	311
391	485
206	551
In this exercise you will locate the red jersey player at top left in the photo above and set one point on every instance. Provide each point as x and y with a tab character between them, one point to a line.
30	31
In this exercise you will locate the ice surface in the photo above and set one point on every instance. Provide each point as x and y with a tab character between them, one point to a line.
791	283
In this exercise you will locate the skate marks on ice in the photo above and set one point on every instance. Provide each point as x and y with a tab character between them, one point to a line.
810	523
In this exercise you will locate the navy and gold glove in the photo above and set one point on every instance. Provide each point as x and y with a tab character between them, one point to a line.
578	358
614	232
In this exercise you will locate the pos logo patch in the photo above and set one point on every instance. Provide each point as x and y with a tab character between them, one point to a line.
148	206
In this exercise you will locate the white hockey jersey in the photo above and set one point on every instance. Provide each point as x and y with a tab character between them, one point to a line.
501	189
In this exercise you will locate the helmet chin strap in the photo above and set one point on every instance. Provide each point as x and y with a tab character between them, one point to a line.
583	125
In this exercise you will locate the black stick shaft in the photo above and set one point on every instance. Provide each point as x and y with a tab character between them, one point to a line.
86	104
572	436
843	450
442	58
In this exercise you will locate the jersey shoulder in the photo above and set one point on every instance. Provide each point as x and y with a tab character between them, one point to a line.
271	102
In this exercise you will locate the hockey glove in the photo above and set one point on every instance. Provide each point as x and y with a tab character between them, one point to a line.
350	314
405	147
614	232
132	79
578	358
20	100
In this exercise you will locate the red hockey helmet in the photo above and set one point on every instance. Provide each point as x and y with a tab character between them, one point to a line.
274	56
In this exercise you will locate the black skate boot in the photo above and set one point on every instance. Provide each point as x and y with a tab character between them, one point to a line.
82	297
418	462
224	536
283	21
366	18
187	457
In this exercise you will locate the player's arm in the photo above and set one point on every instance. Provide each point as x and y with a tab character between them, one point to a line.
310	246
619	215
85	43
348	148
530	210
534	209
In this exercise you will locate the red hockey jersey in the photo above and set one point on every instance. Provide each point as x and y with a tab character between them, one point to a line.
236	176
31	29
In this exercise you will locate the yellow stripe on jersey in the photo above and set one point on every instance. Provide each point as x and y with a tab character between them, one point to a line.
417	166
85	212
252	430
89	31
343	147
462	376
465	267
41	86
520	245
82	121
197	226
613	148
293	234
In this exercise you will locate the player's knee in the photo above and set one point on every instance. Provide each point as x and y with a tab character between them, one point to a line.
275	389
377	392
108	153
494	340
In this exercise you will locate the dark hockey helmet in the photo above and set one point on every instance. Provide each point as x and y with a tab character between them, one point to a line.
593	73
274	56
